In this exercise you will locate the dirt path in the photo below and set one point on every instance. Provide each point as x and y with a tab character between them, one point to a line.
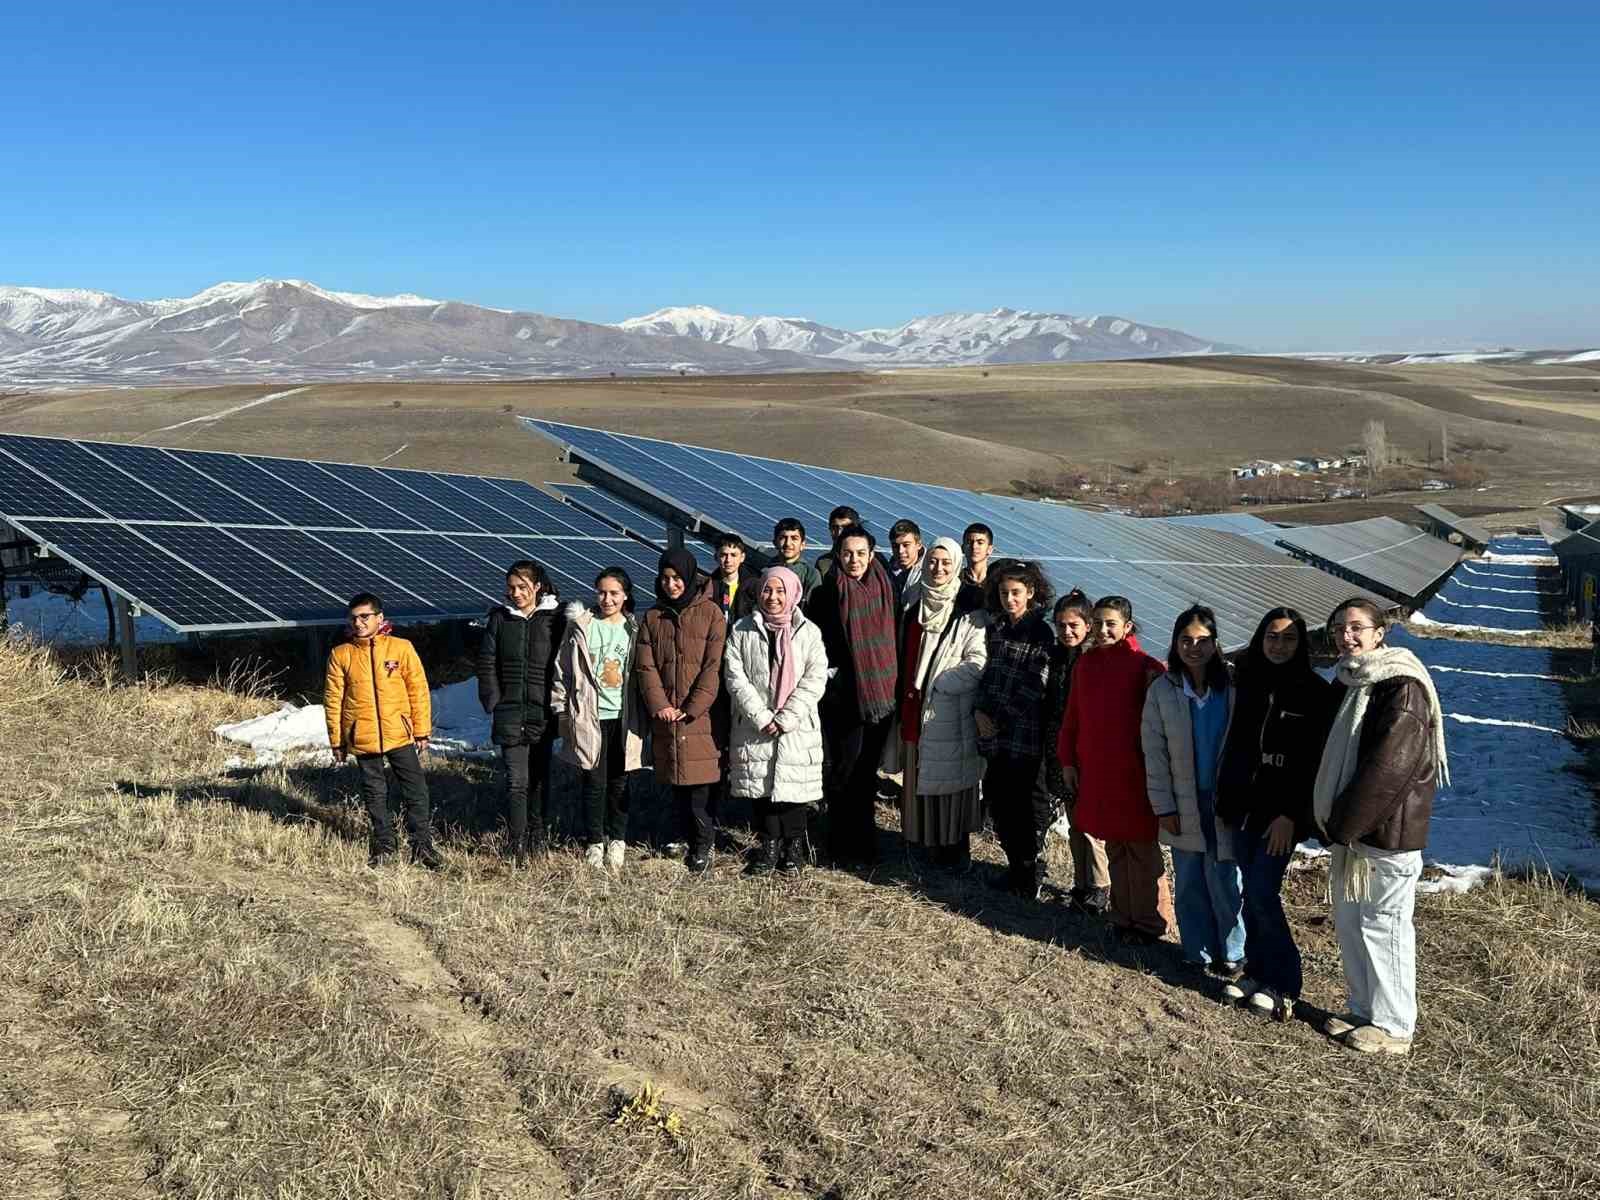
65	1131
422	991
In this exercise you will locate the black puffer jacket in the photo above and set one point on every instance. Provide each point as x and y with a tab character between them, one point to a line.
516	662
1269	762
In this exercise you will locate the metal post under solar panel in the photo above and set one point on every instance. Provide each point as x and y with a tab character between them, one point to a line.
126	640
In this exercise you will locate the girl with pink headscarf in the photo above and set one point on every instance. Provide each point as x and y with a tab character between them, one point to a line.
775	670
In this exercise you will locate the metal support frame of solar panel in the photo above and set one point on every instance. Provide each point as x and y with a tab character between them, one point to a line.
638	523
1474	534
1385	555
211	542
1162	567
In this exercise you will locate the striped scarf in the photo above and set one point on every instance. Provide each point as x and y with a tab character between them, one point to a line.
866	610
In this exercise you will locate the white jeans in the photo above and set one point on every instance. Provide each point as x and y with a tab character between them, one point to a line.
1378	942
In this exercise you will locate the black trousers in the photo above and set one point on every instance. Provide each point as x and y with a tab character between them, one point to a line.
1022	811
528	790
605	788
697	817
777	821
407	767
851	751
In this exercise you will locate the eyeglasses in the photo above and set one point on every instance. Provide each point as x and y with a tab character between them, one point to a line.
1358	630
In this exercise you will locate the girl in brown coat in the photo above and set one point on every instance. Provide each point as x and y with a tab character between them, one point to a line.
680	672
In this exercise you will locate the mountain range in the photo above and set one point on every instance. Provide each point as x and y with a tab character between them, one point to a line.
290	329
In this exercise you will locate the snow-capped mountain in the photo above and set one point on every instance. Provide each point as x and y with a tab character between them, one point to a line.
292	329
950	339
286	328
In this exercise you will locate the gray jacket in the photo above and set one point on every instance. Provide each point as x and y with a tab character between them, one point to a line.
1168	739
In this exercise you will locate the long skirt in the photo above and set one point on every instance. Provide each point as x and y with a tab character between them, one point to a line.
935	820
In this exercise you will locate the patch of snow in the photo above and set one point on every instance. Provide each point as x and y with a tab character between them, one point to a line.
460	727
1509	724
1456	879
1527	560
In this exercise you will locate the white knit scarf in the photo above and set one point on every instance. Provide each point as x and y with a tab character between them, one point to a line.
1349	874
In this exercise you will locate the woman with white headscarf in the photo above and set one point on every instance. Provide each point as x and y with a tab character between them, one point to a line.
942	655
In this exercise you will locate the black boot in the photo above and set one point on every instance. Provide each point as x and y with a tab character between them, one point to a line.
765	859
789	853
698	859
425	855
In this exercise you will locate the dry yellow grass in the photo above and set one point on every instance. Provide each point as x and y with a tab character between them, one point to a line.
207	994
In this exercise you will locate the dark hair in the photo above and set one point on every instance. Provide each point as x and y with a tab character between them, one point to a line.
1255	658
621	575
361	598
904	526
1073	600
532	572
1027	573
1117	604
855	531
1370	607
730	539
787	525
977	527
844	513
1217	667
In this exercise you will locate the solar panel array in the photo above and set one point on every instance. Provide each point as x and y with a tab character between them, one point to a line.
1161	566
1472	532
1389	556
210	542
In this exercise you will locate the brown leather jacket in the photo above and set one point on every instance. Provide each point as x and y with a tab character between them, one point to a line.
1389	802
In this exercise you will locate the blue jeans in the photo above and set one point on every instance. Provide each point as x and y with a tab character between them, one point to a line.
1208	899
1378	942
1274	958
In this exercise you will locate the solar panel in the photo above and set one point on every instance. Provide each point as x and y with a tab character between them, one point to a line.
1386	555
132	566
615	511
229	560
179	482
116	493
353	505
1162	566
244	477
209	541
29	494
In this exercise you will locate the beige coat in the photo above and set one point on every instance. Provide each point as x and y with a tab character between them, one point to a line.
1168	740
947	748
575	697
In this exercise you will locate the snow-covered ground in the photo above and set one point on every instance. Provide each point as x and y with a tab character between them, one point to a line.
1514	791
1515	588
50	618
460	727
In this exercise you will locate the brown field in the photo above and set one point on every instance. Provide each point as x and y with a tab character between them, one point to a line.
1535	431
206	994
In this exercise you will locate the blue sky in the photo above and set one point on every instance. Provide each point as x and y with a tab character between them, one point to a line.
1387	176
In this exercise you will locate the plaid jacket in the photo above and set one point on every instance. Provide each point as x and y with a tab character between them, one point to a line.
1012	690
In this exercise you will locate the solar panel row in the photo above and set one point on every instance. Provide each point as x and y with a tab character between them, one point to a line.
1399	560
212	541
1161	566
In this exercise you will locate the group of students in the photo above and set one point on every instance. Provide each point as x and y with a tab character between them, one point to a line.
960	673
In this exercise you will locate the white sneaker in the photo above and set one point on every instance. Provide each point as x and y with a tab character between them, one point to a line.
595	856
1238	990
1264	1001
615	851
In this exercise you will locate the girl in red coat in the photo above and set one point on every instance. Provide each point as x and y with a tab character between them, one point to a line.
1100	753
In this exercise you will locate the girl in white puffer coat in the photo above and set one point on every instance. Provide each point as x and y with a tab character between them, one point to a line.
775	670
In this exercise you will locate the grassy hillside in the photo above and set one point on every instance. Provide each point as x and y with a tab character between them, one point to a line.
1534	430
205	993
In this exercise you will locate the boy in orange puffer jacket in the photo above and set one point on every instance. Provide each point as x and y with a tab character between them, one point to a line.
378	708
